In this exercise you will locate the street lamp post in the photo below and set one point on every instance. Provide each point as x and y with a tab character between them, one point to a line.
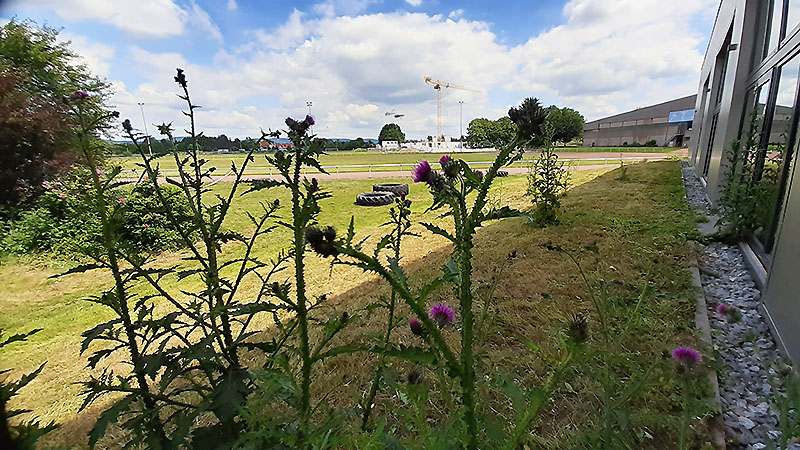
146	134
461	126
309	104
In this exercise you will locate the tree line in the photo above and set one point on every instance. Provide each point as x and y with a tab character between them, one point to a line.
566	124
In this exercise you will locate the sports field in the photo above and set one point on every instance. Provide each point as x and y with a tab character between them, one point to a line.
360	161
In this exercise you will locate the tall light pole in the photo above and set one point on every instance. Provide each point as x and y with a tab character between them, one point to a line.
309	104
461	127
146	134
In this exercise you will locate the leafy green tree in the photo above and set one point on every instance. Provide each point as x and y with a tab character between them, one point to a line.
37	72
566	122
487	133
391	132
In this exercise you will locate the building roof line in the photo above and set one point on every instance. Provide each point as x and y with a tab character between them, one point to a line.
609	118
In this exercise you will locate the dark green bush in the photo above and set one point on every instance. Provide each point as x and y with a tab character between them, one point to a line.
60	221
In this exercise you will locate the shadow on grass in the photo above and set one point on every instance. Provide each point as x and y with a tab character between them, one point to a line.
640	226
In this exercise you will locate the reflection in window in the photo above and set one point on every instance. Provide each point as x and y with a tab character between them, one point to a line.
774	158
774	26
712	135
792	16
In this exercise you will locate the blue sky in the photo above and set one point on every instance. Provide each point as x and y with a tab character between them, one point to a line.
251	63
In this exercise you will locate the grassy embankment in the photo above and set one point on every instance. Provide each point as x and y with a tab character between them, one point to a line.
640	226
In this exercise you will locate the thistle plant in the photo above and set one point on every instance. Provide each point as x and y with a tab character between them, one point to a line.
547	182
125	330
686	359
784	398
183	346
22	436
749	186
288	373
399	220
461	194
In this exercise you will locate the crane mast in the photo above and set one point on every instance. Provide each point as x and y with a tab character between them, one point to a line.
438	85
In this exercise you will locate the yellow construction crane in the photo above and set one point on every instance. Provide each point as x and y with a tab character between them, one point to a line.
438	85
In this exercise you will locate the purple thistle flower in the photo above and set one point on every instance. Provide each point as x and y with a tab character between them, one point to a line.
441	314
289	121
619	282
81	95
416	327
421	172
444	160
310	120
687	356
722	309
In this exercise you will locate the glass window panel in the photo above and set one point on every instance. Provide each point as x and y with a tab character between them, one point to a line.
758	113
774	26
792	16
771	160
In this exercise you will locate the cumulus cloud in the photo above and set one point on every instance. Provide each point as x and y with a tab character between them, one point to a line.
414	3
355	68
231	5
95	55
600	63
146	19
285	36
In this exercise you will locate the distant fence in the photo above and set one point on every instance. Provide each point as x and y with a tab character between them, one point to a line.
401	167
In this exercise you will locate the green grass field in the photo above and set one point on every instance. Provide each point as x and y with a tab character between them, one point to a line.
640	225
407	159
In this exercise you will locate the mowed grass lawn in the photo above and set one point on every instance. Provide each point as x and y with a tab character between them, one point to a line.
640	225
354	158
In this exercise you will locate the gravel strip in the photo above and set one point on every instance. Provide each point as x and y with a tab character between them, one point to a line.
743	349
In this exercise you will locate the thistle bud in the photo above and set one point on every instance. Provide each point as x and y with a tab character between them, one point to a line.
578	328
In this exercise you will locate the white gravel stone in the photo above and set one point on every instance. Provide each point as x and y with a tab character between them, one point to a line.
749	417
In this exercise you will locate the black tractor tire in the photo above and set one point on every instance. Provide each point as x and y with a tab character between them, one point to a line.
374	199
398	189
502	173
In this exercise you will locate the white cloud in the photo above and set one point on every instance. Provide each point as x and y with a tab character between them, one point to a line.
197	17
414	3
145	18
602	64
95	55
356	68
231	5
285	36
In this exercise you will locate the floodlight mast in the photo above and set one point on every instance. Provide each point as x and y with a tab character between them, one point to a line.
146	134
438	85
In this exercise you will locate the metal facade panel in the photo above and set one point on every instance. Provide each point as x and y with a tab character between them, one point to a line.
782	296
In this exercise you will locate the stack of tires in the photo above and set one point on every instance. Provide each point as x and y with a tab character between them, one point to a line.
382	194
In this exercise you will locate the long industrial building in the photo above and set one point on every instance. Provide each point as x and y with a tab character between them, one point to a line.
668	124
